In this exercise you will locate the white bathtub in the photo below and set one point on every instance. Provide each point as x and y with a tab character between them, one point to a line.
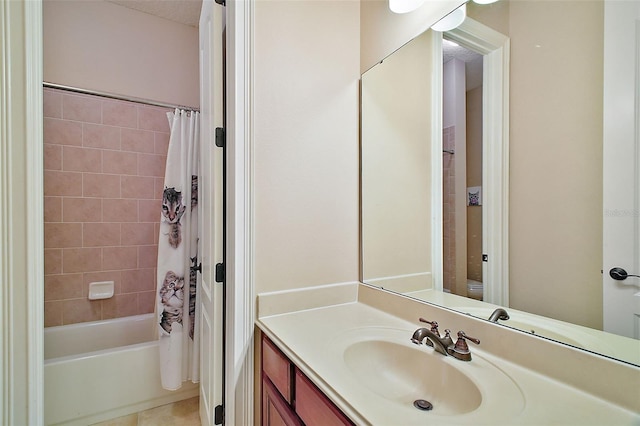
99	370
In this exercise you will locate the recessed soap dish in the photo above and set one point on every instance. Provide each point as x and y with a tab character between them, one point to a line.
100	290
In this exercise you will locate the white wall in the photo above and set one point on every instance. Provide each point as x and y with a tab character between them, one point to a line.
396	179
306	143
110	48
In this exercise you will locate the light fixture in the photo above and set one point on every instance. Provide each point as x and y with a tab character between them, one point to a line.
452	20
484	1
405	6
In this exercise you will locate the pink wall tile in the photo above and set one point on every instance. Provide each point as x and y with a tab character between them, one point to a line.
121	114
149	210
82	209
52	103
52	157
162	143
159	188
120	210
118	162
53	209
148	256
137	234
60	287
97	136
121	305
62	132
77	159
81	260
151	165
101	234
137	280
146	302
137	187
81	310
58	235
100	185
138	141
52	261
120	258
151	118
90	277
52	313
62	183
101	211
81	108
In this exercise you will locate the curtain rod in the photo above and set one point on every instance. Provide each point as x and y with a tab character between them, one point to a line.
117	97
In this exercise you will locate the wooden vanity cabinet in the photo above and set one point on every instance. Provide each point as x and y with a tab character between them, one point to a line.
289	398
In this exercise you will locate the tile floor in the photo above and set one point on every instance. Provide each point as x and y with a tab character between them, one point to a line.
182	413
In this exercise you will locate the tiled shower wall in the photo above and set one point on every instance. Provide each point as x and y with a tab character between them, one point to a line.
448	209
104	164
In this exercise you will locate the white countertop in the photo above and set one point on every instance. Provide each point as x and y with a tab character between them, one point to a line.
315	338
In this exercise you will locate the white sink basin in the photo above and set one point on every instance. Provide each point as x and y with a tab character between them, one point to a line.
403	374
383	371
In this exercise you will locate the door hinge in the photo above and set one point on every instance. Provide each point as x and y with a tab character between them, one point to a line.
219	272
485	257
220	139
218	415
221	2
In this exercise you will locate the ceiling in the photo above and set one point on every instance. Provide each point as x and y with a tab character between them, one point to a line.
472	60
184	11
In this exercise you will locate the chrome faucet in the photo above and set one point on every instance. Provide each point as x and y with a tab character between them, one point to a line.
444	344
499	314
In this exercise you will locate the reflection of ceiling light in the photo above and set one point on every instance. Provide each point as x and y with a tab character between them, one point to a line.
484	1
405	6
450	43
452	20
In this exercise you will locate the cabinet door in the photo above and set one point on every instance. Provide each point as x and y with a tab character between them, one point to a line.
313	407
275	411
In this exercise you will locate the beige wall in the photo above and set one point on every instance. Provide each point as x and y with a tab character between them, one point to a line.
110	48
383	32
555	157
396	181
306	143
556	160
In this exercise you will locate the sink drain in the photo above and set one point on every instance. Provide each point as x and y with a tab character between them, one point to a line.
423	404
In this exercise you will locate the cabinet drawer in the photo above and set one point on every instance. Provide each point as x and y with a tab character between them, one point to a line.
313	407
277	368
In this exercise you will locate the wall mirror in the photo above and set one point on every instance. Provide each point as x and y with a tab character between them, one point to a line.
540	236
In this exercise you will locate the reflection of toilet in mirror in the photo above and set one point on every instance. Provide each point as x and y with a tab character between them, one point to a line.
474	289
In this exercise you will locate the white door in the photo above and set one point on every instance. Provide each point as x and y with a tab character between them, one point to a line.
621	198
211	218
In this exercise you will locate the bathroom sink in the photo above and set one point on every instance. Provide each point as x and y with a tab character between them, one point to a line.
404	374
383	371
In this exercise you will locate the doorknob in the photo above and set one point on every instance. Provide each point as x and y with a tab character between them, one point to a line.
620	274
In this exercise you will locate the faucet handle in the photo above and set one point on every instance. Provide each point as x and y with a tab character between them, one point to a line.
434	325
461	350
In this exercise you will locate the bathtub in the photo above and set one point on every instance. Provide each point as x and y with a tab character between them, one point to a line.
100	370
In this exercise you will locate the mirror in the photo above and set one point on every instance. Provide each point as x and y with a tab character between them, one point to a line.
555	175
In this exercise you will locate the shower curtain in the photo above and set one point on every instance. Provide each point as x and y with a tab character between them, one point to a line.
177	277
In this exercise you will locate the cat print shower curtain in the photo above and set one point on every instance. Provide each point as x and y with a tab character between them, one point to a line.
177	277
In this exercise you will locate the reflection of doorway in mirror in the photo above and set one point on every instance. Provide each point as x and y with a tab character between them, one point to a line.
462	168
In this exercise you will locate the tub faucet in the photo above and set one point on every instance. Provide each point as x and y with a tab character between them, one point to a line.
499	314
